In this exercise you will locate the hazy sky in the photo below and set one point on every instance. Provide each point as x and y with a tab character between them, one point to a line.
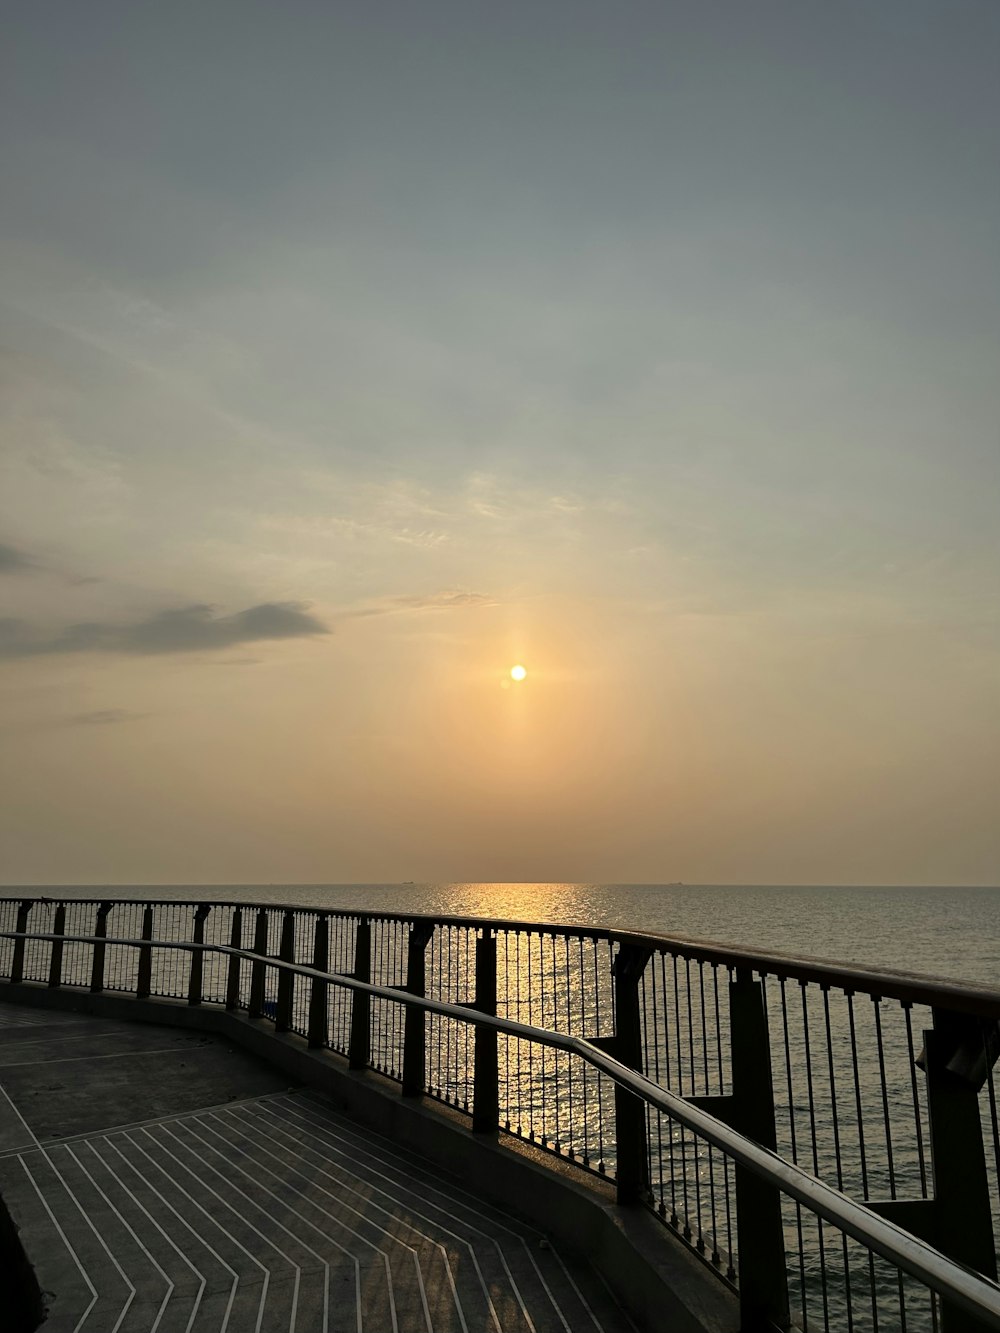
353	352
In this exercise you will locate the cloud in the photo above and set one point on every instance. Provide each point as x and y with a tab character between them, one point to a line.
14	562
184	630
444	601
435	601
103	717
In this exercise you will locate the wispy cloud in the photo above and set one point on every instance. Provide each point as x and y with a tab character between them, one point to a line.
103	717
449	600
444	601
13	561
187	629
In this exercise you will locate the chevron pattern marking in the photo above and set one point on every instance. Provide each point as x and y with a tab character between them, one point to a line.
276	1214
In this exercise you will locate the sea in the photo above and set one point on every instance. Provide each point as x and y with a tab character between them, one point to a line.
944	931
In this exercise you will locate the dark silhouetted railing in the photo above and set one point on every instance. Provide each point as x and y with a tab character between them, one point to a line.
873	1085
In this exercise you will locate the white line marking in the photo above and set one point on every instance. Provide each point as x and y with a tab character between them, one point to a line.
101	1241
203	1281
365	1147
288	1208
366	1193
203	1183
365	1196
131	1230
87	1135
113	1055
413	1191
256	1230
218	1225
477	1210
20	1117
57	1041
76	1258
326	1213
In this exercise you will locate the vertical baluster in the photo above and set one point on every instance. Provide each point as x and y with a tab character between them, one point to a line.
197	954
486	1076
632	1178
56	957
361	1002
144	974
233	973
21	925
759	1239
319	1019
100	948
286	952
256	1005
414	1022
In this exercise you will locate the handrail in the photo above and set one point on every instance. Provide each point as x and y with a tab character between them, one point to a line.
887	983
975	1294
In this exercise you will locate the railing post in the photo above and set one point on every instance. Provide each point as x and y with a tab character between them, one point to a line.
632	1173
197	956
358	1049
233	975
55	960
763	1274
144	975
21	925
319	1021
256	1005
963	1224
286	952
486	1073
415	1020
97	966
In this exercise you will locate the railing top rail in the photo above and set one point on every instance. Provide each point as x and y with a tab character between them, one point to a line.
976	1294
879	982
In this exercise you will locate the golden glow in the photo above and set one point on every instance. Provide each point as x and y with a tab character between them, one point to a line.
517	673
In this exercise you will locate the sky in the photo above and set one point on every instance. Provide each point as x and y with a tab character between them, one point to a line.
353	353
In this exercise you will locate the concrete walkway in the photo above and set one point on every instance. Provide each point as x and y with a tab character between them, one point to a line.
166	1182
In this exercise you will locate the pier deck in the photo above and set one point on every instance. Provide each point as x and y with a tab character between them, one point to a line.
165	1181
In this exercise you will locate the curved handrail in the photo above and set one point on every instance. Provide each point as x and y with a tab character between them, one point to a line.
974	1293
881	982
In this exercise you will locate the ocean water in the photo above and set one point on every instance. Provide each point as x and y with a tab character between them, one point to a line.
947	931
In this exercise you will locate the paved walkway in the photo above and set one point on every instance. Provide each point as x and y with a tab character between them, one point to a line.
166	1182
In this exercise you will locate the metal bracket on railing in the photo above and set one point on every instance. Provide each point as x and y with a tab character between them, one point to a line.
963	1219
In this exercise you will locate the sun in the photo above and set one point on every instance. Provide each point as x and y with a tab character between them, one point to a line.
518	672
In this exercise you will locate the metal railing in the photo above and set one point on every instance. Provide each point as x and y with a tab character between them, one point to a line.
815	1064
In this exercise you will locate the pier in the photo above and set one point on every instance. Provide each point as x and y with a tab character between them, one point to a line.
223	1117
